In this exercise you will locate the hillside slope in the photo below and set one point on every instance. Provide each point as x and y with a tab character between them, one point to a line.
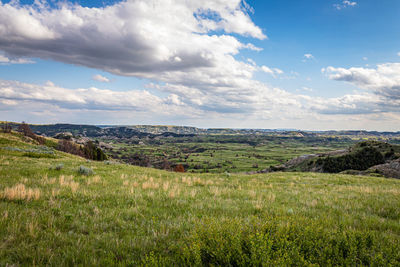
54	211
364	158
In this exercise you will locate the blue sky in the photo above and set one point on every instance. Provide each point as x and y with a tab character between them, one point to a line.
261	64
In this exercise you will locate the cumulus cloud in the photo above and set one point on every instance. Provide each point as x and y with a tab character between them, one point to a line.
134	38
383	80
100	78
193	49
180	99
365	103
88	98
345	4
51	103
382	95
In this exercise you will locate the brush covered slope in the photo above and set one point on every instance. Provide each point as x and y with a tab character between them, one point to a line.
58	209
364	158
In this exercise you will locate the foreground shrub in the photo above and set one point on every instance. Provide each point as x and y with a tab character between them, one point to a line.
237	243
57	167
85	170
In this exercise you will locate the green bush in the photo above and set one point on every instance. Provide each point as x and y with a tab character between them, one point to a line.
85	170
360	160
58	167
234	243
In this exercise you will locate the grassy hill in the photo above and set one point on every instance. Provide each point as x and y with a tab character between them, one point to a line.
58	209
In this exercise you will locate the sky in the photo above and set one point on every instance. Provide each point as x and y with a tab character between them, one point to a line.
303	64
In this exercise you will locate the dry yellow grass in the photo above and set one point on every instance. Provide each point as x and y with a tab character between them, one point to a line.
174	192
252	193
31	228
314	203
259	204
68	181
55	192
193	193
21	192
166	186
94	180
271	197
150	184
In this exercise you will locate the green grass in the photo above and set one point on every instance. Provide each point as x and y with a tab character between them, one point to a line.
127	215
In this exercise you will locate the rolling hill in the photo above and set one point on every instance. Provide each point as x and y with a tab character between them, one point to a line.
59	209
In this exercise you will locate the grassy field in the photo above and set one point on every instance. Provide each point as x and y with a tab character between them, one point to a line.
53	214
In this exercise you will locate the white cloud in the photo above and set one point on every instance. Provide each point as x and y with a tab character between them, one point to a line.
382	83
6	60
278	71
133	38
100	78
384	79
308	56
365	58
140	38
398	54
345	4
307	89
90	98
272	71
256	107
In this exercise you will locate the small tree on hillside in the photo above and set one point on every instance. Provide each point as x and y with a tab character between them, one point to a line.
6	127
93	152
70	147
179	168
26	131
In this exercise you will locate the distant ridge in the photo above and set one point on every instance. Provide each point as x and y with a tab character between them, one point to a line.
100	130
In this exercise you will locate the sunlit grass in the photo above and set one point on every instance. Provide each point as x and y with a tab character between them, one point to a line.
131	216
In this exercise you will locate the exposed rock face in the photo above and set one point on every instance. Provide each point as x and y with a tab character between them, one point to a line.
390	169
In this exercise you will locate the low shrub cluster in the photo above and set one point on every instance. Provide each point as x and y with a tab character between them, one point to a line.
57	167
39	152
237	243
85	170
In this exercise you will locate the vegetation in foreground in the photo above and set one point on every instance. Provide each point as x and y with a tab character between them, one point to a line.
59	209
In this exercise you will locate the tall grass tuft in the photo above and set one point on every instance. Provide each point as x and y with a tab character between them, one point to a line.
20	192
